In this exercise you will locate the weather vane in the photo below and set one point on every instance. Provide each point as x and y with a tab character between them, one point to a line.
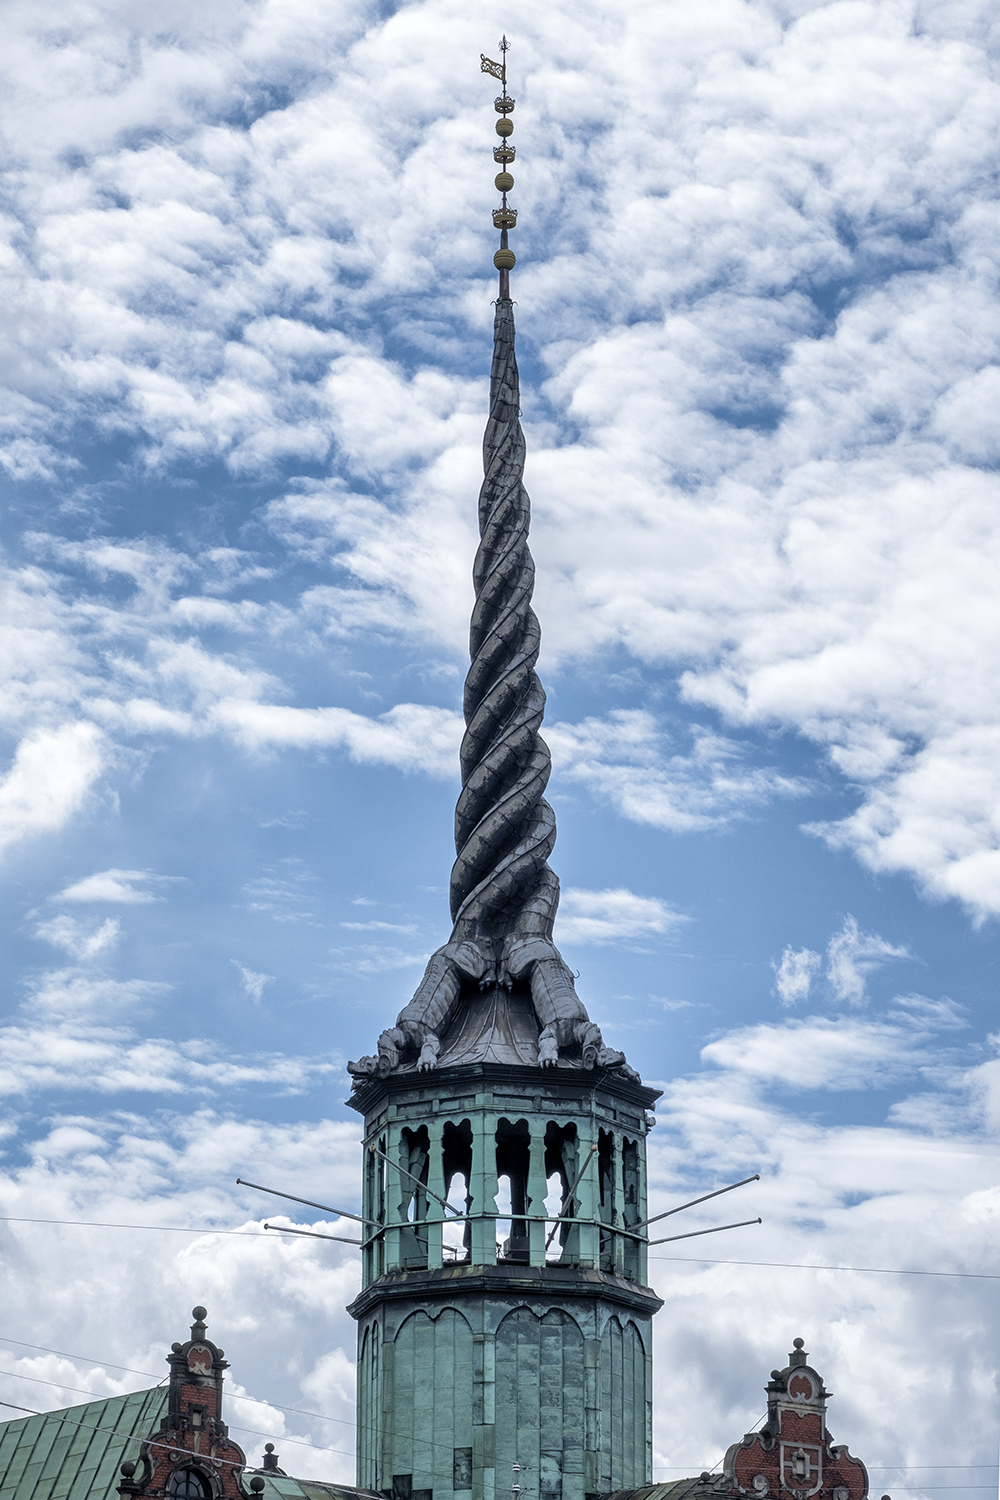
504	218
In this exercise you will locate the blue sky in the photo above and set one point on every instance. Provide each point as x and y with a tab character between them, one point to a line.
247	273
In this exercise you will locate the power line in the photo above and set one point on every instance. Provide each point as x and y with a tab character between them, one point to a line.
796	1265
89	1360
163	1228
131	1437
235	1426
298	1442
783	1265
77	1391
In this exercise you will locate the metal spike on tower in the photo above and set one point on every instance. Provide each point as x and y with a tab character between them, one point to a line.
504	217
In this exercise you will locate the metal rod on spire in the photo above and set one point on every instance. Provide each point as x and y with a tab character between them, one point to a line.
693	1234
311	1234
703	1199
504	217
341	1213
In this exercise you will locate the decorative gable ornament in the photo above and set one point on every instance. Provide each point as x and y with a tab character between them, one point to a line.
793	1456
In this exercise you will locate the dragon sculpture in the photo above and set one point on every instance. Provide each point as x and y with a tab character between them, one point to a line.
504	894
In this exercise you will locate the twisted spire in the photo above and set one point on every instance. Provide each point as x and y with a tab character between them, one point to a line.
504	828
503	894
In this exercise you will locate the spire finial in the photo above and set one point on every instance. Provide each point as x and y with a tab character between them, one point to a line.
504	217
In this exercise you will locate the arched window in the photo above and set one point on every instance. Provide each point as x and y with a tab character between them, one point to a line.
188	1484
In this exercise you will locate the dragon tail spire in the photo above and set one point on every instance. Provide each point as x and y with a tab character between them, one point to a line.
504	895
501	882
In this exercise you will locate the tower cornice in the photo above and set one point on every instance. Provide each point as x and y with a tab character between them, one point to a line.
512	1284
549	1085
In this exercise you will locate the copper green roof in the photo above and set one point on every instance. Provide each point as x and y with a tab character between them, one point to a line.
281	1487
74	1454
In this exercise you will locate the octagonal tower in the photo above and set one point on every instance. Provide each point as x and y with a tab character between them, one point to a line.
504	1316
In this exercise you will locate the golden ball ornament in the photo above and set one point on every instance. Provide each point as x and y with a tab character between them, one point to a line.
503	182
505	126
505	260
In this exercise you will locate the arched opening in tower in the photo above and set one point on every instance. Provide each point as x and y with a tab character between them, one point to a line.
513	1160
415	1156
456	1144
561	1152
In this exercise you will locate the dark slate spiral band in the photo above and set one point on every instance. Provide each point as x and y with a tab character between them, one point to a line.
503	893
504	828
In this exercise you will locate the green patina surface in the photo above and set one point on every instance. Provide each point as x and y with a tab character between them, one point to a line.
280	1488
75	1454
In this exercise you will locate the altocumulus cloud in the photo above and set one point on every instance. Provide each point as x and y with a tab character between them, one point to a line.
120	887
862	1195
613	916
762	279
775	354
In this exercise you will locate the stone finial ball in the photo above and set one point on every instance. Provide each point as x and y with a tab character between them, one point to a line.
505	126
128	1469
199	1314
505	260
256	1484
798	1343
503	182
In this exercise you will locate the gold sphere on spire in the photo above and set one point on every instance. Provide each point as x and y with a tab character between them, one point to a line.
505	260
505	126
503	182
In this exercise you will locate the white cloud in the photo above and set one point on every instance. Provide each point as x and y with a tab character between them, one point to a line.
763	455
77	939
411	736
793	977
761	280
180	1170
816	1053
376	958
82	1055
136	668
867	1195
943	1014
67	1042
52	773
626	758
112	886
407	928
852	955
864	1195
613	916
252	982
73	994
937	817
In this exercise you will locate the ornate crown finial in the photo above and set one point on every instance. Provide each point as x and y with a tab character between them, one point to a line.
504	217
